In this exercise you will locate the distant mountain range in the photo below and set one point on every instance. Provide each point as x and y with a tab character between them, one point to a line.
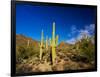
23	40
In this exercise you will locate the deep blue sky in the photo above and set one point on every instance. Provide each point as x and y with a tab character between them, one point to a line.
31	19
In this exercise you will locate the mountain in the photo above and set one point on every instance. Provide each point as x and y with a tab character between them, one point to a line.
63	44
23	40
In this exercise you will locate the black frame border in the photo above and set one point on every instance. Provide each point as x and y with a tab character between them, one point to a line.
13	38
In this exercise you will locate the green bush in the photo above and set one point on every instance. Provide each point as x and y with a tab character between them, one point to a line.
24	52
86	49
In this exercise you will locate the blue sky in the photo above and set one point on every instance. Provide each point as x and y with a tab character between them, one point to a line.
70	21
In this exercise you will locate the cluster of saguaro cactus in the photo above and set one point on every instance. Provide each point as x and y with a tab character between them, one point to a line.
52	43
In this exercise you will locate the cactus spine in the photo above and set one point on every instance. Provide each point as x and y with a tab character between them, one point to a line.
41	44
53	44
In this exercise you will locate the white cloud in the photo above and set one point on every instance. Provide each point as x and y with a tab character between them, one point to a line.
90	28
84	32
71	41
88	31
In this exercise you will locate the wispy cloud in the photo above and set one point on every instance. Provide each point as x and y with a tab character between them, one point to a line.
90	28
71	41
74	29
88	31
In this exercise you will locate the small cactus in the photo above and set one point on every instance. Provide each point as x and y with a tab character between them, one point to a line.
28	42
46	43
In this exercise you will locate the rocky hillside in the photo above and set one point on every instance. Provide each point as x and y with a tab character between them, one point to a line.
68	57
23	40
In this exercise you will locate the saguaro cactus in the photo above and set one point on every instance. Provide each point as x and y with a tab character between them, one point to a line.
46	43
57	40
50	42
53	44
28	42
41	44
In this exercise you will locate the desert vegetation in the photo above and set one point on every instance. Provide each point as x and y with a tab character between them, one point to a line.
48	55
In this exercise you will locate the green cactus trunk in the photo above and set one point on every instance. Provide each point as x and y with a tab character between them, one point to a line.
28	42
56	40
41	45
46	43
40	53
50	42
53	44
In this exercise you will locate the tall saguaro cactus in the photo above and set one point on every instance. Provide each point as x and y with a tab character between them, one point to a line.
41	44
53	44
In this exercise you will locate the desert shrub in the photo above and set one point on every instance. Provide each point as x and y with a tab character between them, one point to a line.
79	58
24	52
86	49
20	54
